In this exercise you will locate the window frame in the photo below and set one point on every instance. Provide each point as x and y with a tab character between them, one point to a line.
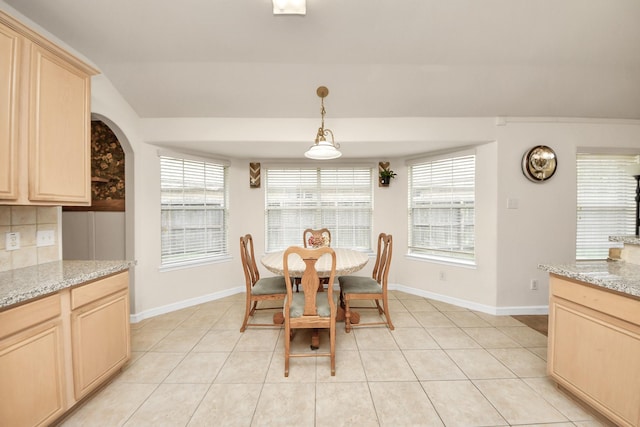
619	212
205	253
418	169
314	200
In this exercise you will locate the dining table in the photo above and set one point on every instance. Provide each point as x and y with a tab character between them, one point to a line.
348	261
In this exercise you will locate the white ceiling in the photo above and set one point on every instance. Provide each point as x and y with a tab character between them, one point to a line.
379	58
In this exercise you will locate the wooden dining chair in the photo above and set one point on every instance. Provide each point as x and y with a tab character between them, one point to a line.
369	288
258	289
310	308
322	237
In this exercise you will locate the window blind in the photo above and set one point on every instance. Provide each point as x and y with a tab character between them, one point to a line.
442	208
606	203
193	210
340	199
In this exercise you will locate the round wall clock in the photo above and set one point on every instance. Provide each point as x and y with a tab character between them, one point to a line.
539	163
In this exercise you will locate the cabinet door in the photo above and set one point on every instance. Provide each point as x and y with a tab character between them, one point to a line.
9	48
100	340
59	130
32	376
596	357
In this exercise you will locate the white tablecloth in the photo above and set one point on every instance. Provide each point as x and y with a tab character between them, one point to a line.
347	261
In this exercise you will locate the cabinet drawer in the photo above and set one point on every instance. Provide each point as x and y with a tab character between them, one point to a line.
30	314
93	291
626	308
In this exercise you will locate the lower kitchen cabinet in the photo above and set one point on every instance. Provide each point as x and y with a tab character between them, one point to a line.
32	379
56	350
99	331
594	348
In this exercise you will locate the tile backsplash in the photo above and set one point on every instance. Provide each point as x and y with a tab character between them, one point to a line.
27	220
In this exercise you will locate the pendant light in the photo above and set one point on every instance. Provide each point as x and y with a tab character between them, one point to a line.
323	149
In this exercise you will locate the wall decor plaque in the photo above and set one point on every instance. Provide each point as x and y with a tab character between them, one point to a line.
539	163
254	175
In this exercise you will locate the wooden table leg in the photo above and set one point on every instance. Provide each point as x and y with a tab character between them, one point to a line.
355	316
315	339
278	318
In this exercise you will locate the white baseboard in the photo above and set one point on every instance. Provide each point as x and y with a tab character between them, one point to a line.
496	311
135	318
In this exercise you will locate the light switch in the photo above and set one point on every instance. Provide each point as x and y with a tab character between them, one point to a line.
45	238
512	203
12	241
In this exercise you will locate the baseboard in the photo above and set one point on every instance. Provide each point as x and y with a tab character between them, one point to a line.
135	318
496	311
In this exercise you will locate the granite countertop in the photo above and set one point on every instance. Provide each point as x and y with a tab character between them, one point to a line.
27	283
614	275
630	240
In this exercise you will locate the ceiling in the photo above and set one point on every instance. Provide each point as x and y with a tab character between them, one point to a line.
379	58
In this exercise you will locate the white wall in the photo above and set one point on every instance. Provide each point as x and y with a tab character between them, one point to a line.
543	228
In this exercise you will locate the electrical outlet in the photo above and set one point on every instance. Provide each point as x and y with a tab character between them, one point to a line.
443	277
534	285
45	238
12	241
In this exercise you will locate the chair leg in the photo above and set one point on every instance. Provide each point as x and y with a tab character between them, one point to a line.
287	347
380	310
347	316
387	316
332	340
247	313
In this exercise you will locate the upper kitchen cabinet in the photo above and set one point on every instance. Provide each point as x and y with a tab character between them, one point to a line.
45	121
9	49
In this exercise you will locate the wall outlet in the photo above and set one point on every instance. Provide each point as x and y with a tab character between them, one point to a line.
45	238
12	241
443	276
534	285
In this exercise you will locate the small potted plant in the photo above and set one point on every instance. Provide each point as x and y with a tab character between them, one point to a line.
386	175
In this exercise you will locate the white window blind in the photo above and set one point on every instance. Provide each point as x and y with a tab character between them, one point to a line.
442	208
606	203
194	211
340	199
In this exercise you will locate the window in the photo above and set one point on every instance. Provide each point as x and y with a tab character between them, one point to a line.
194	211
340	199
606	203
442	208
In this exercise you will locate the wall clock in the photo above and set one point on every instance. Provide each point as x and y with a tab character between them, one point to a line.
539	163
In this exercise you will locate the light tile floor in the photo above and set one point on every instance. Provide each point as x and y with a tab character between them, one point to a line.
442	366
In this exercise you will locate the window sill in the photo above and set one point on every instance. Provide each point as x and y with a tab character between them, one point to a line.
442	260
194	263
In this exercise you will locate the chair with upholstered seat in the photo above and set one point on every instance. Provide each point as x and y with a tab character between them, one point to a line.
310	308
369	288
258	289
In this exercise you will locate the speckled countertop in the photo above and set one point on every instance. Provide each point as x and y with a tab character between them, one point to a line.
630	240
27	283
614	275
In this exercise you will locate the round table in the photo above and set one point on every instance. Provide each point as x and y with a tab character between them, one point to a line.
348	261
